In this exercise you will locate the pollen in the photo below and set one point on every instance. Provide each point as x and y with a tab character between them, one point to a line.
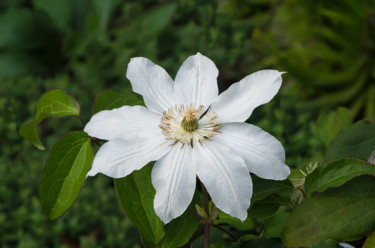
189	125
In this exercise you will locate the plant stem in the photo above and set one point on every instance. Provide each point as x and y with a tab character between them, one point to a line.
96	142
195	213
223	230
206	234
83	122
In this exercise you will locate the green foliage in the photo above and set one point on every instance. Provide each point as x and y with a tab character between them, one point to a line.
336	173
108	100
64	173
358	141
136	194
344	213
55	103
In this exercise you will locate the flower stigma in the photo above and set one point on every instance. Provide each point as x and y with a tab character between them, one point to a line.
189	125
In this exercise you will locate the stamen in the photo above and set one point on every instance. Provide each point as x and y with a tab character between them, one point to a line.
189	125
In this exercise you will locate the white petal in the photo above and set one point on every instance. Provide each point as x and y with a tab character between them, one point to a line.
118	158
152	82
196	81
126	122
238	102
263	154
173	177
226	178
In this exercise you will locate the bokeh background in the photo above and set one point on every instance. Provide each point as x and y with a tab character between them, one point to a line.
327	49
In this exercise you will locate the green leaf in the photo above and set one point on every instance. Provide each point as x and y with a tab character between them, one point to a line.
263	188
370	241
344	214
248	224
179	231
64	173
274	225
327	244
55	103
330	123
336	173
268	206
262	242
109	99
136	195
358	141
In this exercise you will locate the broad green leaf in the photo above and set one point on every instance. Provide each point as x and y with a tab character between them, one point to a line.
109	99
55	103
358	141
64	173
330	123
274	225
336	173
268	206
263	188
370	241
136	195
248	224
179	230
345	213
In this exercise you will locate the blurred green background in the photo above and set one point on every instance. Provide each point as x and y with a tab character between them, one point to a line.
83	47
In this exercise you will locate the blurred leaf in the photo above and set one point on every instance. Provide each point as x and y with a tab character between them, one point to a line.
274	225
55	103
248	224
179	230
262	188
330	123
268	206
335	174
58	11
358	141
109	99
136	195
345	213
370	241
327	244
64	173
262	242
29	44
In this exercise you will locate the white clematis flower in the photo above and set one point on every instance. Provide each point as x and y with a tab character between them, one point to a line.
191	131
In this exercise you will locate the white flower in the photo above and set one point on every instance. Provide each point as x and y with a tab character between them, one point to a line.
191	131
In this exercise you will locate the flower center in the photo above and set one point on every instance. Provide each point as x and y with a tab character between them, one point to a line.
189	125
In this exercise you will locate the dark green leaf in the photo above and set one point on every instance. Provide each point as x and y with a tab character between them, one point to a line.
108	100
64	173
358	141
262	242
136	195
55	103
263	188
179	230
273	225
336	173
248	224
344	214
268	206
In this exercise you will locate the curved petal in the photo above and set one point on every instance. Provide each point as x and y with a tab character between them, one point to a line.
196	81
263	154
173	177
126	122
238	102
152	82
226	178
118	158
